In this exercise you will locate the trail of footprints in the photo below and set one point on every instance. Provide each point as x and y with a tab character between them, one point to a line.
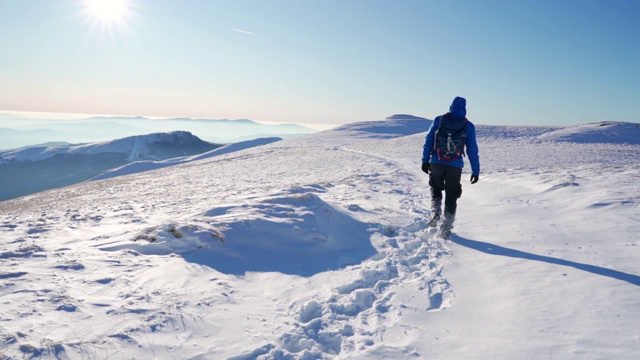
355	316
348	321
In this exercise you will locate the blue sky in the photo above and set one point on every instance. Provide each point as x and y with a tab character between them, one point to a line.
328	62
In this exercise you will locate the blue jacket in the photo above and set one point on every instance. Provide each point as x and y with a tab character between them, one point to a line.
471	147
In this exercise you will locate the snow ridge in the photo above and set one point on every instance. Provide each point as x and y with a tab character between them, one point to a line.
146	165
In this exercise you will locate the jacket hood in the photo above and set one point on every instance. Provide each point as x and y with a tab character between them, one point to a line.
459	107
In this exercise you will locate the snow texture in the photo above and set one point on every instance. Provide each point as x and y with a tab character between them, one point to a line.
317	248
146	165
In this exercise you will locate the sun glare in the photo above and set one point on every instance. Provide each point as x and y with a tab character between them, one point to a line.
108	12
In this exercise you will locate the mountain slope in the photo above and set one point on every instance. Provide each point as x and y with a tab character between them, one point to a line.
146	165
39	168
315	248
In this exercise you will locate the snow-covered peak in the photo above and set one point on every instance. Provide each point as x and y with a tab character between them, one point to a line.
403	117
393	126
41	168
139	147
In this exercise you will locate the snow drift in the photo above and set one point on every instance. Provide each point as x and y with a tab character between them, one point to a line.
298	234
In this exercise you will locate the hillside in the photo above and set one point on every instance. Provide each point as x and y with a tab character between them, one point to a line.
34	169
316	248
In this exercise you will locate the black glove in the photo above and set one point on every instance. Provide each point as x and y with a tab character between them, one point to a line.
426	167
474	178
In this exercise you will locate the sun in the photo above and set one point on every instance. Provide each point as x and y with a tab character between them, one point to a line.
108	12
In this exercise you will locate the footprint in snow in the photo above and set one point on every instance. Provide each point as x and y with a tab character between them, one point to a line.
435	302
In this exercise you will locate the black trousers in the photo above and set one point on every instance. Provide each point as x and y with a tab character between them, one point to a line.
445	178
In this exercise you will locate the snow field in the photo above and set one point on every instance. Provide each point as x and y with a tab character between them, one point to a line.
316	248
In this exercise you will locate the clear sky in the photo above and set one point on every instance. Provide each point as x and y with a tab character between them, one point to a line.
530	62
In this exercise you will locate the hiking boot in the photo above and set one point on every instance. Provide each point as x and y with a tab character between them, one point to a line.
433	220
436	209
444	233
447	225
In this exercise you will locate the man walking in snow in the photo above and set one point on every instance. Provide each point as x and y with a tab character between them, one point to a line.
444	148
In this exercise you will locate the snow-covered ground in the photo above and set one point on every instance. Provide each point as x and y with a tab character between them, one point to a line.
146	165
316	248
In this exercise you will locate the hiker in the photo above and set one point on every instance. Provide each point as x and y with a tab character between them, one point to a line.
444	148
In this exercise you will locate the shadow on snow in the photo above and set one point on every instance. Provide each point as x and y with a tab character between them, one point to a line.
295	234
492	249
263	245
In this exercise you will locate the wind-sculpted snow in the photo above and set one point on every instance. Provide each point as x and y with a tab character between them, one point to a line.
317	248
296	234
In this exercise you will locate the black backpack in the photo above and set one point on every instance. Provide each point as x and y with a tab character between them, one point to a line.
450	138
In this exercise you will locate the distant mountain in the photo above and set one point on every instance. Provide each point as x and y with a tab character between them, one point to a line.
146	165
12	139
404	117
392	126
29	132
103	118
287	128
25	132
607	132
29	170
47	144
142	118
